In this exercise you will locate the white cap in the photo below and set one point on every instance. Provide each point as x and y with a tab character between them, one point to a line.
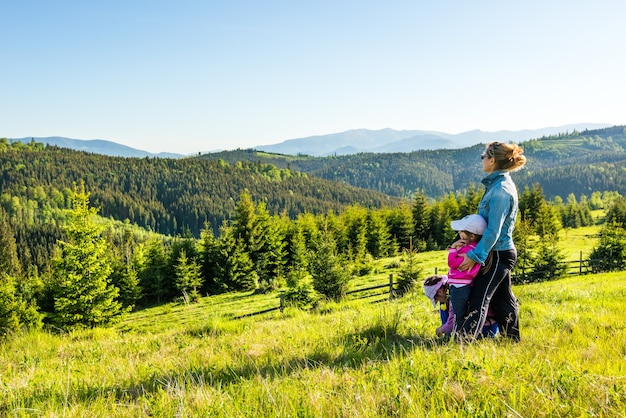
475	224
431	291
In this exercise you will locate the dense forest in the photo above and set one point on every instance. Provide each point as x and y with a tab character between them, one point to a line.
577	163
169	196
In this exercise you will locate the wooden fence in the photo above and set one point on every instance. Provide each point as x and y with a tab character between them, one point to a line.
574	267
370	291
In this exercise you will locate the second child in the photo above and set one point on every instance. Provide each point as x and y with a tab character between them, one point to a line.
437	289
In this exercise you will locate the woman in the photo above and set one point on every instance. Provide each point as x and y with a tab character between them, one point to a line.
492	287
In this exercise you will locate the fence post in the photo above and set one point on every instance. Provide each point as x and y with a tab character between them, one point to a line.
282	303
435	271
391	292
580	270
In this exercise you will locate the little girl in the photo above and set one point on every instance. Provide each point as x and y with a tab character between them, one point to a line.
470	230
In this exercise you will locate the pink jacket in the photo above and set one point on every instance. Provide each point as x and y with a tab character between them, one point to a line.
455	258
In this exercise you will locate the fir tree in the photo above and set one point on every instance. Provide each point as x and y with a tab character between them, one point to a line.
300	291
153	272
421	220
269	252
299	258
547	224
16	310
9	262
409	272
126	279
400	223
188	277
209	253
610	253
328	269
521	237
83	296
379	243
239	271
617	212
547	263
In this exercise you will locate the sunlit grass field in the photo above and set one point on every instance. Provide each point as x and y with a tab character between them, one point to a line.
352	359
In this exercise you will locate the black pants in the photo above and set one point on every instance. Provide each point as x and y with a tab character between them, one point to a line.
493	289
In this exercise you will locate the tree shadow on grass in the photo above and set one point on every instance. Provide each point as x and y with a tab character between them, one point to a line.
378	342
368	346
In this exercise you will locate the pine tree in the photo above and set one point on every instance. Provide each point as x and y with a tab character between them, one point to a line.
379	243
298	270
617	212
421	220
400	222
610	253
328	268
300	291
244	222
547	224
16	310
188	245
531	203
188	277
409	272
521	237
83	296
209	253
239	273
9	262
442	215
268	254
126	279
548	260
122	247
472	201
153	272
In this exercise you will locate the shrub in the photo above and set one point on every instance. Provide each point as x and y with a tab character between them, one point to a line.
610	253
328	270
409	272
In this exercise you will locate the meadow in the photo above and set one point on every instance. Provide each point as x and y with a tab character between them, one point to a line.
351	359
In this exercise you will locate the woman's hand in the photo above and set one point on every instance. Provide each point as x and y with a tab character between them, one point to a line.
467	263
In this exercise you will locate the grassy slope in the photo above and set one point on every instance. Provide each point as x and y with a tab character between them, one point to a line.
354	359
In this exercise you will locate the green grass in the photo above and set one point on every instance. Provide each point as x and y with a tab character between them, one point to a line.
573	242
355	360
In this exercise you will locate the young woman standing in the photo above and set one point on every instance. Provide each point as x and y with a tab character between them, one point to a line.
499	205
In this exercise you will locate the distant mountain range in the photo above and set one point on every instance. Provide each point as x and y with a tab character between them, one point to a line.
344	143
96	146
390	141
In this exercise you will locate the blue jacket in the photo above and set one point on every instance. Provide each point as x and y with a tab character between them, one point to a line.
499	207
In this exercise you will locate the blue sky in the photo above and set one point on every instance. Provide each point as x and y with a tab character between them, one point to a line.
189	76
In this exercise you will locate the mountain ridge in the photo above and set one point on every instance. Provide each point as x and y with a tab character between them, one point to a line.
96	146
388	140
565	163
349	142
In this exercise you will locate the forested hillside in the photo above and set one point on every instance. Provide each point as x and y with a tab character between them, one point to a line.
397	174
63	265
577	163
168	196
